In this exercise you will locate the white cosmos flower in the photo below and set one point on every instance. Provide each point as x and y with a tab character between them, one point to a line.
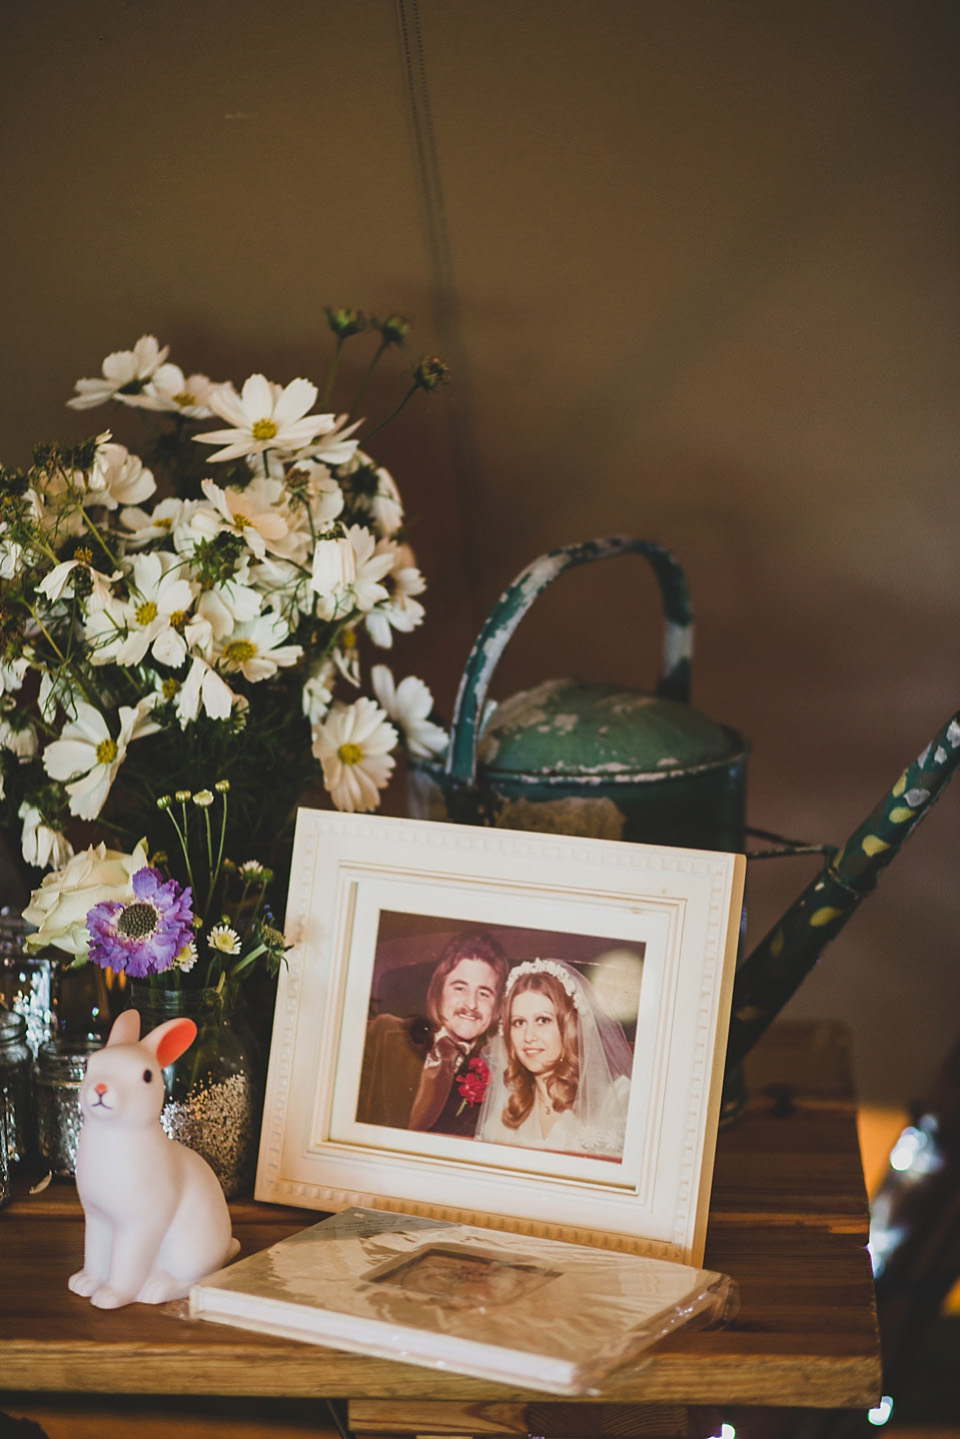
256	648
318	693
321	491
353	745
118	478
21	742
334	565
334	447
169	518
203	688
153	618
253	513
264	416
63	577
124	377
12	675
410	704
346	658
40	843
400	611
227	605
173	392
86	749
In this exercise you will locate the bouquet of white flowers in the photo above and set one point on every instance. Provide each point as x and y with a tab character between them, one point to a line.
181	648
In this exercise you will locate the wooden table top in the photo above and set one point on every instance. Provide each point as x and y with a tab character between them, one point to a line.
788	1221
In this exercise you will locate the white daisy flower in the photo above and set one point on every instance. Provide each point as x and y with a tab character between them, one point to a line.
410	704
124	378
253	513
353	745
264	416
87	754
177	394
203	688
224	939
187	958
40	843
256	648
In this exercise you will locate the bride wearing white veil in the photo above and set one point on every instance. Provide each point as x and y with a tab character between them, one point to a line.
559	1067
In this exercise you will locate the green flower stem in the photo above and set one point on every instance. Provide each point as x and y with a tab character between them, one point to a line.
98	537
391	417
381	348
46	634
182	837
332	373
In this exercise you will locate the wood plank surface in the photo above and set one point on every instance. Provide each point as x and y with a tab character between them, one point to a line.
788	1221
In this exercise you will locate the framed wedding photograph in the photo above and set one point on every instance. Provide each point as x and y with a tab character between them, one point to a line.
511	1029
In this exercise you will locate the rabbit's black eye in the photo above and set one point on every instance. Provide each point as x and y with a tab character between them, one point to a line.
147	1076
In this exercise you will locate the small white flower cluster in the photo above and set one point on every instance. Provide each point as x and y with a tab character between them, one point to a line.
552	967
142	613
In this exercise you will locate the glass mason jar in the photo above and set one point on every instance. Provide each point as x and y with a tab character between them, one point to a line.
214	1091
57	1075
4	1166
29	983
16	1091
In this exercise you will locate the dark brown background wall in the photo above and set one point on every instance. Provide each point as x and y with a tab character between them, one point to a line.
695	265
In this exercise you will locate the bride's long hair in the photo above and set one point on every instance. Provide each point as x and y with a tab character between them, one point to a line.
563	1080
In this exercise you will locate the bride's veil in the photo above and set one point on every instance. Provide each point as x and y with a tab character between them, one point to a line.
605	1055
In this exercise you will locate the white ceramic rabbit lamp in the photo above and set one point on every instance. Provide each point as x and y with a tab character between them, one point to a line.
156	1218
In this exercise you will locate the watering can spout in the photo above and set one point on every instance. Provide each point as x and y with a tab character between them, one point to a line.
775	969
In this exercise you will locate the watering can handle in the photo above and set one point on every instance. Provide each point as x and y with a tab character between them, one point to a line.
510	608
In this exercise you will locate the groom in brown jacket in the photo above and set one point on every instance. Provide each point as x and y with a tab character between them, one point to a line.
412	1067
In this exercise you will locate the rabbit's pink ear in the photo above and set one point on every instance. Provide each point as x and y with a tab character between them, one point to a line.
170	1040
126	1028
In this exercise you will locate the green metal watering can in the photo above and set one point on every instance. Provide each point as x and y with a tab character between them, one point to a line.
594	759
612	763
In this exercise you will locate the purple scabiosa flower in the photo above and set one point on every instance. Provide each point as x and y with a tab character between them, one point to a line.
144	935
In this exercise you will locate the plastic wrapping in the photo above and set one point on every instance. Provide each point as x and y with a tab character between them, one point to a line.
531	1313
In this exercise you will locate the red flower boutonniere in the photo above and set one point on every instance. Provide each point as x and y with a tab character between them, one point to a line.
473	1082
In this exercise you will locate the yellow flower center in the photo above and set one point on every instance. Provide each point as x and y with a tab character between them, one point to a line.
240	520
351	753
263	429
146	613
169	688
166	523
83	555
106	751
178	620
184	398
348	640
239	650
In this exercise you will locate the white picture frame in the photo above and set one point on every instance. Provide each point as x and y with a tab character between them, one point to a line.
368	891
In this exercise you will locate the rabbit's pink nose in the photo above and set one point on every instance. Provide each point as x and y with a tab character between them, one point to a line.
100	1088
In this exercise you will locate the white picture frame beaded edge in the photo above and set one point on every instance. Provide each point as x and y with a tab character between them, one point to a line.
679	908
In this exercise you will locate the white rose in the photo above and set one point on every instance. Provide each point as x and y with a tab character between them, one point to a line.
59	907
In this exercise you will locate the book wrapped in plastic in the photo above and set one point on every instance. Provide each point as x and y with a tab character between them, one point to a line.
511	1308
